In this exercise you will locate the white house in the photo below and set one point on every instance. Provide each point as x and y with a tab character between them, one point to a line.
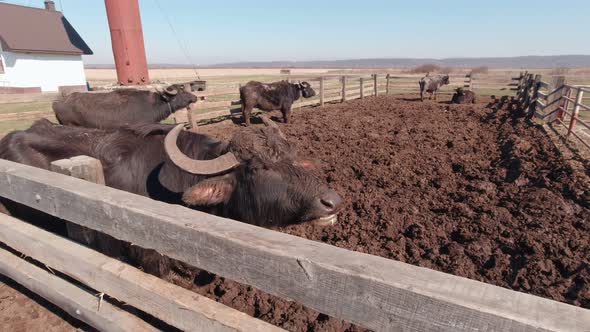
40	51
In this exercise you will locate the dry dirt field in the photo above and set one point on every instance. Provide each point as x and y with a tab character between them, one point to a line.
475	190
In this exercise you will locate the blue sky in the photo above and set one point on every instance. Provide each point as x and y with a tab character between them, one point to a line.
227	30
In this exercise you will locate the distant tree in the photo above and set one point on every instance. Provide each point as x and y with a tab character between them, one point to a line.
425	68
559	71
447	70
480	70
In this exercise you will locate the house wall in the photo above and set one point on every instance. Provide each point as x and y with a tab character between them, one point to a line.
47	71
2	81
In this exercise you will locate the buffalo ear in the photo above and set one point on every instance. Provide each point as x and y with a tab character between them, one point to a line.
212	191
307	164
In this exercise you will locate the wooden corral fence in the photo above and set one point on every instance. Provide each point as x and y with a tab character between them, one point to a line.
340	88
557	102
373	292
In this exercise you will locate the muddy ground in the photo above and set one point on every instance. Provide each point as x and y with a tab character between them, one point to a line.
472	190
475	190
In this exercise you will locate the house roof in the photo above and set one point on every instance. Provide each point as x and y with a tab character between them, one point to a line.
36	30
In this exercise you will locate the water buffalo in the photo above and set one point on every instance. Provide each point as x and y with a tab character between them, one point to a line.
431	84
121	107
256	177
273	96
463	97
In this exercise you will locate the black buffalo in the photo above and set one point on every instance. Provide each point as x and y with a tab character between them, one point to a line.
121	107
256	177
463	97
273	96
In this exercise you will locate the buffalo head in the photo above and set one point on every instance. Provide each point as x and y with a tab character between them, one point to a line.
306	90
445	80
178	97
259	180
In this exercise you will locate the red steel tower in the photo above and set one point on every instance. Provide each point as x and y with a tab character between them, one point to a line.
127	41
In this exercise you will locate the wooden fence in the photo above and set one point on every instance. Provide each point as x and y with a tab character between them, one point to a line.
557	102
223	98
225	102
374	292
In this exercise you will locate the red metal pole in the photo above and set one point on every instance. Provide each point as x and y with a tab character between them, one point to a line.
127	41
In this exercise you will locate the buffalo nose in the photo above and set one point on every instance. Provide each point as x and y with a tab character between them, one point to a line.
331	201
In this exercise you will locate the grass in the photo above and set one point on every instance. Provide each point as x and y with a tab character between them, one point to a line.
8	126
25	107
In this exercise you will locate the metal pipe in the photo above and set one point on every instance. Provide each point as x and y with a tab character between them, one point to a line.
579	96
127	41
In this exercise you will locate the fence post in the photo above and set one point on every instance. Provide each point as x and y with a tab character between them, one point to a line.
565	105
579	96
527	91
191	119
387	84
85	168
362	88
344	88
524	89
469	82
321	90
555	91
535	95
89	169
375	88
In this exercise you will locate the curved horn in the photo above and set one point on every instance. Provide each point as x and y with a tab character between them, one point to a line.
199	167
269	123
306	84
172	91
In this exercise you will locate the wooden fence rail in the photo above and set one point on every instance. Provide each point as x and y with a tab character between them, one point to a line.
179	307
556	101
374	292
336	88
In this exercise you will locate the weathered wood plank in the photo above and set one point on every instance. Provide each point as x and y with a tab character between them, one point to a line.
180	116
375	84
306	103
85	168
81	167
362	88
371	291
219	92
73	300
322	91
344	78
556	91
208	104
332	99
178	307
